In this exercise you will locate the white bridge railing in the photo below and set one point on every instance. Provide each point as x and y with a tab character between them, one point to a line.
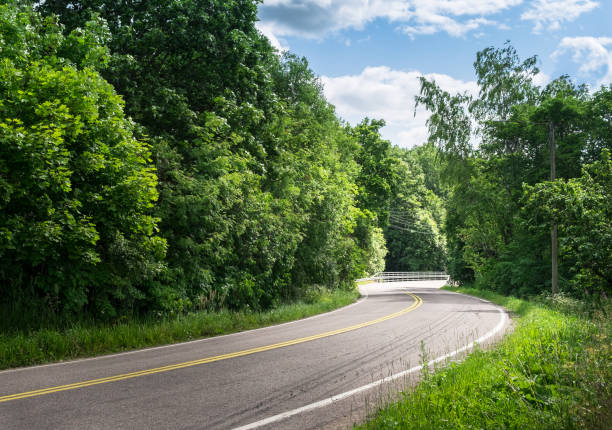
409	276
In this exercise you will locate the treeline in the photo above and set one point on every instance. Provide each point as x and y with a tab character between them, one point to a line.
502	204
161	156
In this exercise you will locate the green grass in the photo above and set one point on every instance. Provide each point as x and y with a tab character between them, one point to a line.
88	339
553	371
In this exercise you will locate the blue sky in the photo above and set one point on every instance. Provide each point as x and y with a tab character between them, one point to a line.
370	53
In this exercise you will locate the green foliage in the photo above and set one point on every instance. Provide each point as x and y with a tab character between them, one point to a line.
494	236
598	116
170	59
582	207
258	192
76	187
392	188
375	181
414	236
504	80
449	124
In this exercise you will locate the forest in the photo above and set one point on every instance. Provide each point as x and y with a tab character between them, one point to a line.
521	160
162	157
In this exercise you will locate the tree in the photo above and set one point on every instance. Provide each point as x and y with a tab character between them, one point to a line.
504	81
515	123
377	169
76	187
263	191
414	234
582	208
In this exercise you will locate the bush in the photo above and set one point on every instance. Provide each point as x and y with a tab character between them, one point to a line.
75	185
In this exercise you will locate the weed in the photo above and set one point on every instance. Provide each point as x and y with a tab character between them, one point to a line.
86	339
553	371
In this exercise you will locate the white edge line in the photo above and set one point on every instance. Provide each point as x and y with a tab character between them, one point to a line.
205	339
326	402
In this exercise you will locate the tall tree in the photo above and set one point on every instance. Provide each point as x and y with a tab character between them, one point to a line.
515	122
256	172
76	187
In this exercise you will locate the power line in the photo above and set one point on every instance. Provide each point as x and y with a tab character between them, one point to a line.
408	225
398	227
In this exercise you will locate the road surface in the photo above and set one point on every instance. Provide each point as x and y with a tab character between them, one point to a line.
321	372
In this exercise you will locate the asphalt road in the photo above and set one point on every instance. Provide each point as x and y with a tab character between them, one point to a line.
321	372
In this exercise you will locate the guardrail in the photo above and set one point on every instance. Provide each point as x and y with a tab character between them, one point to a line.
409	276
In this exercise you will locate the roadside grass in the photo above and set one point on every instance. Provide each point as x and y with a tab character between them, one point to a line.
86	339
553	371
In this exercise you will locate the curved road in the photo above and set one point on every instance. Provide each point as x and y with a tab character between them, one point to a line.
321	372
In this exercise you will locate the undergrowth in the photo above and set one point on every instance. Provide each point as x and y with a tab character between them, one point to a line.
553	371
86	339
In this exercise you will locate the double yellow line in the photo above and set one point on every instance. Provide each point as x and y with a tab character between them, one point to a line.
417	302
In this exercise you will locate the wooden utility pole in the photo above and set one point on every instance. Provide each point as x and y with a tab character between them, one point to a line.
553	232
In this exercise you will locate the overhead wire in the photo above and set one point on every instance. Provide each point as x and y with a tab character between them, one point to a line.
408	226
397	227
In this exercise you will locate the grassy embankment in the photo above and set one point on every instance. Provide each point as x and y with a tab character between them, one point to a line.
86	338
554	371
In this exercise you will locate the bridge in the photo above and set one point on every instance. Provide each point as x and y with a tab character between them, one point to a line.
407	276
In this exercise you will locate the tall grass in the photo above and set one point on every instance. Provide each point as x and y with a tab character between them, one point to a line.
553	371
86	339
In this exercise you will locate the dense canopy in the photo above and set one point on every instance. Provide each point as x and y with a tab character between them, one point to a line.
502	203
162	156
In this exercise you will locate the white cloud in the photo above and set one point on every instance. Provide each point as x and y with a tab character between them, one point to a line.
541	79
268	31
550	14
316	19
382	92
591	53
435	24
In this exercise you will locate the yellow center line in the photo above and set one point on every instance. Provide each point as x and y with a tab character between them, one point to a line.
417	302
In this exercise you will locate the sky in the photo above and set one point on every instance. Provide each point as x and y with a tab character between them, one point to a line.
369	54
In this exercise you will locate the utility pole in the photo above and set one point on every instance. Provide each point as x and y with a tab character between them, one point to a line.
553	232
